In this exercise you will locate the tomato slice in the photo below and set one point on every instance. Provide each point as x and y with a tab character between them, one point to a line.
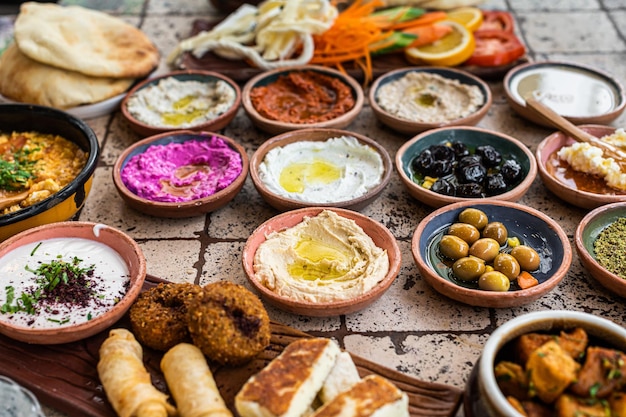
497	20
495	47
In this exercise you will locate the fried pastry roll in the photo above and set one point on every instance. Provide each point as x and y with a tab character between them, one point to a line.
126	381
191	383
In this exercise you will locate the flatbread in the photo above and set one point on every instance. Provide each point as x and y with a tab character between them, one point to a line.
84	40
28	81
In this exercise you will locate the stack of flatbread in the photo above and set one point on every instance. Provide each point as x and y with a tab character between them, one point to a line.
67	56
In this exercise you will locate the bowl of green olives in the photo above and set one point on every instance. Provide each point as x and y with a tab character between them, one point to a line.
465	163
491	253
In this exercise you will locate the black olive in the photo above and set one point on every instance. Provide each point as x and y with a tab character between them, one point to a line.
435	161
491	157
495	184
443	186
460	149
511	170
471	189
423	162
443	152
474	172
469	160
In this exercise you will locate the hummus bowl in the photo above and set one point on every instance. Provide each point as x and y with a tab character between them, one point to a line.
181	173
300	97
609	272
513	153
414	99
181	100
379	235
118	270
531	228
579	189
320	167
63	204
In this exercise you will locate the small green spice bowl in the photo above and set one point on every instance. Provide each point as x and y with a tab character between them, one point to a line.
587	233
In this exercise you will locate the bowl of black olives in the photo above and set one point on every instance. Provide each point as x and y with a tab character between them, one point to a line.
452	164
491	253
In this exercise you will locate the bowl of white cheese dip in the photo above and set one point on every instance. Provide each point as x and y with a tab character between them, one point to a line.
320	167
191	99
66	281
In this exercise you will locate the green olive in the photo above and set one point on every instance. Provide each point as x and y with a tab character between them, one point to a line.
494	281
485	248
497	231
468	268
507	264
453	247
527	257
475	217
465	231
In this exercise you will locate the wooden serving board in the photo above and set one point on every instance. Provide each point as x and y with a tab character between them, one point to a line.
241	71
64	376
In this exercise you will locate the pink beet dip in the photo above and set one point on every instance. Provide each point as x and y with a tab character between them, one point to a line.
178	172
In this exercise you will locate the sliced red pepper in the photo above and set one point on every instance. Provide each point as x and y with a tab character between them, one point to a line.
497	20
495	47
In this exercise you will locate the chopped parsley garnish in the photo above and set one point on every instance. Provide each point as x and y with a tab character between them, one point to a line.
15	173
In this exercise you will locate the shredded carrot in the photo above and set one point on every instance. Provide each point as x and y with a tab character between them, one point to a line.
526	280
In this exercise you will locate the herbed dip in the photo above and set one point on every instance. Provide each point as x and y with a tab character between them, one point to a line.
181	104
303	97
324	258
182	171
60	282
429	98
337	169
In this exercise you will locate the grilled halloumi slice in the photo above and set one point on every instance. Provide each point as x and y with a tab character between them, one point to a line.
372	396
341	378
287	386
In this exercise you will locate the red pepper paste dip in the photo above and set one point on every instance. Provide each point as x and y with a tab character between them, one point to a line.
185	171
303	97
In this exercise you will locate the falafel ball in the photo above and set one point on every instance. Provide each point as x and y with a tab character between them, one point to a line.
228	323
159	315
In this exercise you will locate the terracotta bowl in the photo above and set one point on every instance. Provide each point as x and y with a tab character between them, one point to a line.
275	126
413	127
598	97
483	397
121	243
284	203
586	234
565	188
64	204
212	125
188	208
532	227
472	137
381	236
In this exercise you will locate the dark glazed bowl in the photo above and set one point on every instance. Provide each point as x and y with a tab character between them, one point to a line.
564	190
67	202
586	234
483	397
598	98
186	208
472	137
211	125
316	135
411	127
275	126
531	226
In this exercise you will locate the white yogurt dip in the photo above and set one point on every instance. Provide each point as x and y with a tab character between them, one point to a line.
109	281
331	171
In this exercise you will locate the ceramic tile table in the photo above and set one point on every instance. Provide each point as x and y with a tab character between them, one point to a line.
412	328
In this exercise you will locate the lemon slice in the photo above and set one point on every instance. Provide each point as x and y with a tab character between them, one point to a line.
470	17
451	50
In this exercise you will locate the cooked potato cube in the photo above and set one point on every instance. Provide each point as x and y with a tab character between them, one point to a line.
551	370
570	406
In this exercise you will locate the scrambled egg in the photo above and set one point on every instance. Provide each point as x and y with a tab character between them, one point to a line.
57	161
584	157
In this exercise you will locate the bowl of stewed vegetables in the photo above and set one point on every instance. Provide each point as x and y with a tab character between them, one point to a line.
465	163
491	253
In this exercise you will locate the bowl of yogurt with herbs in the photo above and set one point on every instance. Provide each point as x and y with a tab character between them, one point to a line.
66	281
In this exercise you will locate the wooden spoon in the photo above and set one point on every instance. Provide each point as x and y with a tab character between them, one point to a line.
574	131
12	199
